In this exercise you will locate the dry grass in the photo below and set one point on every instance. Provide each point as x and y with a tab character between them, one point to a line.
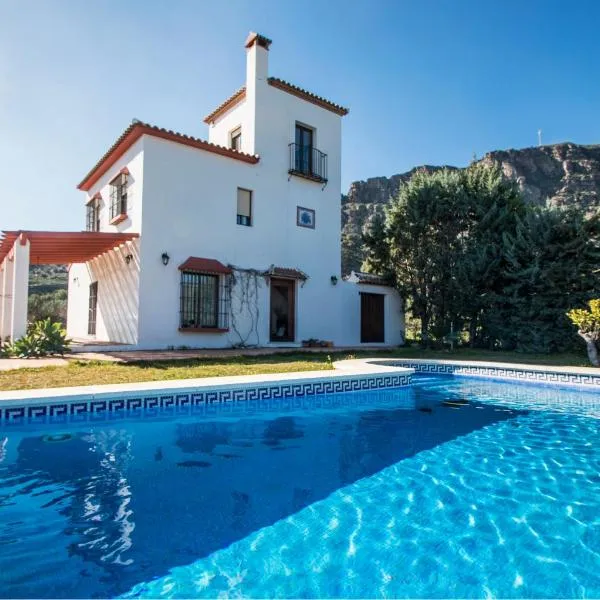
93	373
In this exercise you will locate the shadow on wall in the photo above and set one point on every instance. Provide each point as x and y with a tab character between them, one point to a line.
118	292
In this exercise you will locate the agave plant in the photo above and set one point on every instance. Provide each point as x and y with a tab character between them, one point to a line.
42	339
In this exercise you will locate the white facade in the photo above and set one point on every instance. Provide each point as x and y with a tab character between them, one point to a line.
182	201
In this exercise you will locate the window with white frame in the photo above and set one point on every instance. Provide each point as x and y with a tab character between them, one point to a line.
244	207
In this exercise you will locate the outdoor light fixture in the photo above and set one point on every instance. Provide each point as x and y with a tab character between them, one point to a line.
334	280
128	258
165	258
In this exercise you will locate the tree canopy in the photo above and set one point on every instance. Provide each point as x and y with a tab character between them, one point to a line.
468	254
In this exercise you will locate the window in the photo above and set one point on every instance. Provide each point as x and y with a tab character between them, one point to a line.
92	216
244	207
204	301
118	198
236	139
304	149
93	308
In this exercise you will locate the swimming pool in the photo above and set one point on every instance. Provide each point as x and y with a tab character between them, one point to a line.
451	488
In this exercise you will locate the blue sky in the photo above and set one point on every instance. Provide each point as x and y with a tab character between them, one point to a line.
426	81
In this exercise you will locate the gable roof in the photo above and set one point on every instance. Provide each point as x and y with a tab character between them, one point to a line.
282	85
136	130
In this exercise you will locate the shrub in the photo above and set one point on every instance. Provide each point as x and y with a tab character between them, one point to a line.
587	322
42	339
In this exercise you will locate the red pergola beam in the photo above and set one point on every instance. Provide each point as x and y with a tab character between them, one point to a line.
63	247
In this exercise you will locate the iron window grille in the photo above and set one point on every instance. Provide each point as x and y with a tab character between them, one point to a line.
92	217
118	196
205	301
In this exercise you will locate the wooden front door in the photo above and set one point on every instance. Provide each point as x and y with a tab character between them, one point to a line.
283	310
372	320
93	308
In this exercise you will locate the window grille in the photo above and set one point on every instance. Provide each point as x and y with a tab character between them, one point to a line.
118	196
204	301
93	215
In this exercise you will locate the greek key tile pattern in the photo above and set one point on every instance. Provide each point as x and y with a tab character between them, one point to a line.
514	374
191	402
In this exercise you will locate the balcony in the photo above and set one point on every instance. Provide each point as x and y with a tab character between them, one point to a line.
308	162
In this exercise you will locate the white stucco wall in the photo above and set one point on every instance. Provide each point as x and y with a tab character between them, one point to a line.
350	313
133	159
118	296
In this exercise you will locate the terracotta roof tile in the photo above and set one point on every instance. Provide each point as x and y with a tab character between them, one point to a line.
228	104
204	265
286	273
136	130
308	96
261	40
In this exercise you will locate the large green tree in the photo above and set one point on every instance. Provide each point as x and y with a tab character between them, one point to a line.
468	254
442	241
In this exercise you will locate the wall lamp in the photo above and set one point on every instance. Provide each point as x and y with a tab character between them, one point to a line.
165	258
128	258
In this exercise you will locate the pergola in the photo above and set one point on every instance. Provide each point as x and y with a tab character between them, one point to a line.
19	249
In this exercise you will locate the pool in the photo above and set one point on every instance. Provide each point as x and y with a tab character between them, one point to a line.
452	488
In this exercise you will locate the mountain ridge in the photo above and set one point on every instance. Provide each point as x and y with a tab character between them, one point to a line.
552	174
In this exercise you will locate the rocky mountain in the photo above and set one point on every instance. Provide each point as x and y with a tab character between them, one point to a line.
557	174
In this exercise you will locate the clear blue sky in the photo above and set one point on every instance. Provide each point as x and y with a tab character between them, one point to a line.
426	81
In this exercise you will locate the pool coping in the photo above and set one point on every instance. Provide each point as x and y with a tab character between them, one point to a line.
364	372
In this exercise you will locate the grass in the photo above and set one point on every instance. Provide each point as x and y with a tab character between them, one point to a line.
91	373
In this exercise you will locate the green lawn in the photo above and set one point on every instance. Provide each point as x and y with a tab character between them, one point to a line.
90	373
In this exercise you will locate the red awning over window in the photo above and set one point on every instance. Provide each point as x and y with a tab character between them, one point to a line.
204	265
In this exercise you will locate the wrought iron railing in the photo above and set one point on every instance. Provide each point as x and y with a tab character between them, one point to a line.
307	161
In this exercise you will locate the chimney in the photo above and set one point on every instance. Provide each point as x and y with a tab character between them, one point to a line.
257	72
257	58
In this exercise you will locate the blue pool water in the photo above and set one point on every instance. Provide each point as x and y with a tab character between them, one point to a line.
455	488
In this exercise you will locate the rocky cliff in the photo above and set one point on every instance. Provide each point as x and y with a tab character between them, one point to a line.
556	174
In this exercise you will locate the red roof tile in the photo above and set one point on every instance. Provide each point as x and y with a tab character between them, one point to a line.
136	130
294	90
234	99
286	273
204	265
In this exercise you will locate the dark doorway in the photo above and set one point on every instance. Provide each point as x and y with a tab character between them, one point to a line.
93	308
283	309
372	320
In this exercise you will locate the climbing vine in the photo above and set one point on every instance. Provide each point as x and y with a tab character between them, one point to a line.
245	313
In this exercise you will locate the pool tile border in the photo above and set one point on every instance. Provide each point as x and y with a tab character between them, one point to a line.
184	398
569	377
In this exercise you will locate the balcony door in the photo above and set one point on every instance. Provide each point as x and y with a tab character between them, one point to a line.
304	149
283	310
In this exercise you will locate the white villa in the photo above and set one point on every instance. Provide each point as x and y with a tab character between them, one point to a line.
210	244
